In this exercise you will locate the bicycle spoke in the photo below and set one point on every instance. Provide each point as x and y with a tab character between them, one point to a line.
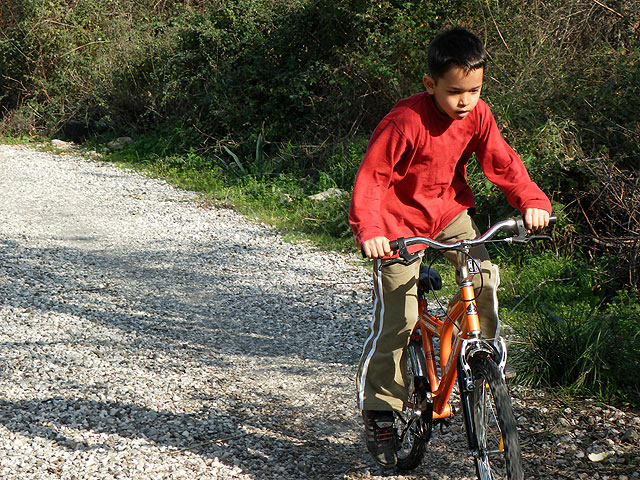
498	452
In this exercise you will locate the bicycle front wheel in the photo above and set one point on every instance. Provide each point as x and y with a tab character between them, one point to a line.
493	435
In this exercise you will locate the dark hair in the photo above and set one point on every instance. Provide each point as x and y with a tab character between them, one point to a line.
455	47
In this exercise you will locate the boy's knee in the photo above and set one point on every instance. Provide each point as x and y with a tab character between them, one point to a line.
490	275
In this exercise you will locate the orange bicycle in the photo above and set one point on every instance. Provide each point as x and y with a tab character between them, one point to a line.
476	362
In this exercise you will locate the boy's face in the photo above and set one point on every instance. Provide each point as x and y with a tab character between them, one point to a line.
457	92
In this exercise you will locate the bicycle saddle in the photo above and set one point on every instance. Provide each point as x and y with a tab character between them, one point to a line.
429	280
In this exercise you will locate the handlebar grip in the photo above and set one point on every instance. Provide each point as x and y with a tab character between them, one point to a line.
393	245
519	226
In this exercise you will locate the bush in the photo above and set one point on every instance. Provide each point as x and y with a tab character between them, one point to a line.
563	84
588	352
82	60
575	339
311	74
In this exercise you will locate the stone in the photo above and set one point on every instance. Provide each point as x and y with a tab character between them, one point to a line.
119	143
327	194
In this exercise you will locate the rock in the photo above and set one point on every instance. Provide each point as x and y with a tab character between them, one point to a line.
119	143
62	145
629	435
598	457
329	193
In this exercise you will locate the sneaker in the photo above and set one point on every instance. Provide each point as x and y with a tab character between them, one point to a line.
380	434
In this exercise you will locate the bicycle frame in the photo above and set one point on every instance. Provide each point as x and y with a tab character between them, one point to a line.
476	362
442	326
456	350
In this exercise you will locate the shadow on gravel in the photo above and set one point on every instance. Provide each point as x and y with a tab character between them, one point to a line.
188	306
242	306
261	453
265	451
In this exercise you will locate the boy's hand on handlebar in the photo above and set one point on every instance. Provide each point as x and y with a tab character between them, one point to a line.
535	218
376	247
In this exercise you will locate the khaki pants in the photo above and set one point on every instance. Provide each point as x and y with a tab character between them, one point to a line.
380	380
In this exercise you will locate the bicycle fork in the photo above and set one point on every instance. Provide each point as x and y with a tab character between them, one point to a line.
472	348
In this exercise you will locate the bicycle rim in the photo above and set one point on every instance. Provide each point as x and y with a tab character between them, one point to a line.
413	424
497	454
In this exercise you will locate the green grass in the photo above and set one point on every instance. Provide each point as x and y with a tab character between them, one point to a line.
21	140
570	333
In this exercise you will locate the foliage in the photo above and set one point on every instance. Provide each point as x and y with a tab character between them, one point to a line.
58	57
308	74
586	352
563	85
576	339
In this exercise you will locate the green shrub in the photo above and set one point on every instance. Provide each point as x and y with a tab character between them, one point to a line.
589	352
566	334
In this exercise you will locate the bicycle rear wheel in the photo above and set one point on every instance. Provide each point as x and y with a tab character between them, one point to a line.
413	424
493	434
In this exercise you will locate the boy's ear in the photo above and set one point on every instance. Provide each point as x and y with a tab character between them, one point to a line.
429	84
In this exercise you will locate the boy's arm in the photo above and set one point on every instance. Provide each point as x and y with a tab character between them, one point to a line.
385	148
504	168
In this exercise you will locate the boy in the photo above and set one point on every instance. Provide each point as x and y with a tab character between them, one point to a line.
412	182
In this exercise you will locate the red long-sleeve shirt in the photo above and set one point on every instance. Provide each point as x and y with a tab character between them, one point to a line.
412	179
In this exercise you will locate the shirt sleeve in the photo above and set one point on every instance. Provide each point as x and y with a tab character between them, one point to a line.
385	149
504	168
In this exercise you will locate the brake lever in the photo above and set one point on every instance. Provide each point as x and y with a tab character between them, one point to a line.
540	237
526	240
414	258
523	235
404	257
392	262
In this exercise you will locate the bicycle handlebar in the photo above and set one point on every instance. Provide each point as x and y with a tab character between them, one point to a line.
514	225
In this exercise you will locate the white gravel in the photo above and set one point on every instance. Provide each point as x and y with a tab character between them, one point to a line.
146	335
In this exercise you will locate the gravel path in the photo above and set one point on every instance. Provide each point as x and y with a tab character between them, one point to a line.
148	336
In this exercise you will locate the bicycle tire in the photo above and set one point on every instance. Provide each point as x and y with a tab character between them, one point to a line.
413	424
493	434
